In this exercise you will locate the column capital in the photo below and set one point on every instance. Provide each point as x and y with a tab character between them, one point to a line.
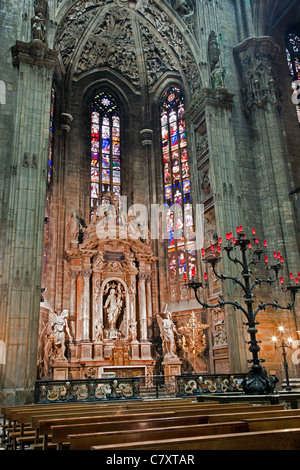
255	58
146	136
216	97
73	274
86	273
143	277
34	52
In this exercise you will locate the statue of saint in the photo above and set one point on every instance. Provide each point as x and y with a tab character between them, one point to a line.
38	27
217	77
113	306
167	333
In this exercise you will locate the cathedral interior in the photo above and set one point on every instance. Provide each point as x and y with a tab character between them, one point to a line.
139	140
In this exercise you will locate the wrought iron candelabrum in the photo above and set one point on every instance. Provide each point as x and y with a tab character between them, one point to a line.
283	346
256	381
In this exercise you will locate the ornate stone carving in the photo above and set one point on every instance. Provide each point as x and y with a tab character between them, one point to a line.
33	53
255	58
111	45
218	327
66	121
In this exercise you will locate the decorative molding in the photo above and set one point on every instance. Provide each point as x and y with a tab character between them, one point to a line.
217	97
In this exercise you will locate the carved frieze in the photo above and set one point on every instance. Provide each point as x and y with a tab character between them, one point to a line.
157	60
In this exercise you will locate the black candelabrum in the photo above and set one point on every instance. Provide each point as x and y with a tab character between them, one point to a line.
237	250
283	346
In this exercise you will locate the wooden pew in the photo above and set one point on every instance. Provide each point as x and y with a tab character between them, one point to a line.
86	441
85	438
266	424
11	430
279	439
59	433
42	424
225	417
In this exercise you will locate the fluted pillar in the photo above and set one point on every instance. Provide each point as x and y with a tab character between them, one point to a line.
86	274
149	305
26	195
72	306
142	307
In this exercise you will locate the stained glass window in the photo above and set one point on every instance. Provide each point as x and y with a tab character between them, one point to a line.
177	193
293	58
51	138
105	150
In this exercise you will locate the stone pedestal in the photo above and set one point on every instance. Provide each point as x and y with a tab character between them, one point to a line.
107	349
172	365
60	368
146	351
86	349
134	350
98	351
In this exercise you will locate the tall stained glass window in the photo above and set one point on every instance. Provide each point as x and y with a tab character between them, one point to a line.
293	57
177	193
105	150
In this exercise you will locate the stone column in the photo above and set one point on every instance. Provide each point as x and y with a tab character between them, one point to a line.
144	343
142	307
85	305
86	344
211	115
22	265
261	95
149	305
256	59
73	297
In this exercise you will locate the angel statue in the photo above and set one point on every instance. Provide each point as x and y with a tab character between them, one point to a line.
58	328
167	333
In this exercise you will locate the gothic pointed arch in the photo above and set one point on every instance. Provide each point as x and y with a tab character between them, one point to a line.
139	45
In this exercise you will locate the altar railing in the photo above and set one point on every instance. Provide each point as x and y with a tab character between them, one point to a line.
143	387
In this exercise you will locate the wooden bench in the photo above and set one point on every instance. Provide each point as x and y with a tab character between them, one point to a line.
13	432
266	424
42	425
86	441
225	417
279	439
59	433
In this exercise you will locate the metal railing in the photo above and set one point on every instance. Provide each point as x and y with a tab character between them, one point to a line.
132	388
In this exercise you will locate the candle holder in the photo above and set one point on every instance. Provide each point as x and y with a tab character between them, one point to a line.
256	380
283	346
